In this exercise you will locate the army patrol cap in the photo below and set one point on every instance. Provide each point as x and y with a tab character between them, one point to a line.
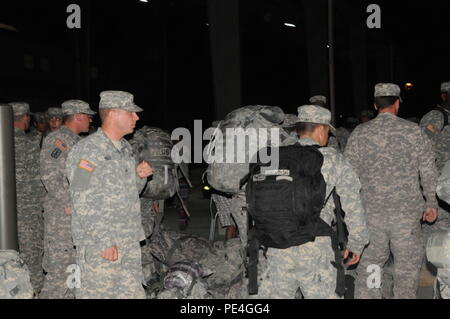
118	100
316	115
445	87
54	112
387	89
72	107
20	108
40	117
318	99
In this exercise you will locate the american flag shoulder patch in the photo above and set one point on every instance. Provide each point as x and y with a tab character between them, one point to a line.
86	165
61	145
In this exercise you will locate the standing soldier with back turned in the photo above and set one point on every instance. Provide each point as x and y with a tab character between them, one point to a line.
394	160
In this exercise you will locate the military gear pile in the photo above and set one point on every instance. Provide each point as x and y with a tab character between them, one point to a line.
155	146
189	266
225	173
14	276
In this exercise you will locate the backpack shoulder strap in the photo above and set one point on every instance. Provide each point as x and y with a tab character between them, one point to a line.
444	114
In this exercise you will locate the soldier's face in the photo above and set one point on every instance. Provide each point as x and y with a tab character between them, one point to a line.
85	121
55	123
42	127
126	121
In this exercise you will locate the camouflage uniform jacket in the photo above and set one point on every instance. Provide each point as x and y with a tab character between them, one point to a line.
104	188
28	185
443	189
389	154
441	139
54	153
339	174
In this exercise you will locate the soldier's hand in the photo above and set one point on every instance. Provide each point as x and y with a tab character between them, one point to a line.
156	207
430	215
68	211
144	170
111	254
355	258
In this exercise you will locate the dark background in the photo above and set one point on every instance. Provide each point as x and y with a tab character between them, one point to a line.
160	51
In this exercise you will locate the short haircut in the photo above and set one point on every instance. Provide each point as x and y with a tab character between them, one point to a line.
304	127
384	102
104	113
68	118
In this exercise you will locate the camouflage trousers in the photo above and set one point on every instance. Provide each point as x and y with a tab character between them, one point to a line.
442	286
30	233
102	279
307	267
58	256
400	234
240	216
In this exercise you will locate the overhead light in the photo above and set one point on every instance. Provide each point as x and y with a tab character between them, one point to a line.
409	86
146	1
290	25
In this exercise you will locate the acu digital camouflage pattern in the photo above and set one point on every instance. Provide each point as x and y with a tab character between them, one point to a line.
226	171
443	191
29	209
223	205
14	276
440	137
155	146
59	253
105	188
118	100
389	154
221	263
309	267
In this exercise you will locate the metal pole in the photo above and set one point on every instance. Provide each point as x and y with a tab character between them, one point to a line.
8	213
331	60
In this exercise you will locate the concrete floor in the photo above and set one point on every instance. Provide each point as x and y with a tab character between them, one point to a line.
201	220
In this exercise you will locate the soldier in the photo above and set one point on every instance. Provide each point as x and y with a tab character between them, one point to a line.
309	266
443	274
58	246
54	118
40	127
105	183
29	190
435	126
390	154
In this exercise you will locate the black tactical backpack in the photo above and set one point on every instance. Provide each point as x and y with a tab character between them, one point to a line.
284	206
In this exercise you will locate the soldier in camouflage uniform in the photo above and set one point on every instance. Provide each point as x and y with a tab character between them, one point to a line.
38	130
59	253
54	118
29	190
443	191
309	267
105	183
390	154
433	125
